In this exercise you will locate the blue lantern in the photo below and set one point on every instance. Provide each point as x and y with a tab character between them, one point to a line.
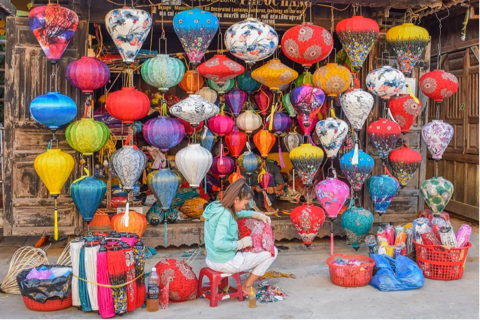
246	83
164	185
156	215
87	194
356	174
382	189
206	138
357	222
53	110
249	162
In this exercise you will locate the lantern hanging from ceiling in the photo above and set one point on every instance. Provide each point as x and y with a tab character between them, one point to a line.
235	100
163	72
333	79
356	174
264	140
292	140
128	28
307	127
404	110
87	135
249	162
207	138
408	42
193	162
87	74
437	192
246	83
304	78
438	85
251	40
249	121
357	105
195	28
128	104
163	132
332	194
53	109
357	222
191	82
53	26
357	35
236	141
405	163
131	222
208	94
288	105
263	99
280	124
307	44
221	88
221	124
87	194
437	135
307	101
235	176
331	132
382	189
222	167
274	74
129	163
164	185
194	109
306	160
385	82
383	135
220	69
307	220
189	129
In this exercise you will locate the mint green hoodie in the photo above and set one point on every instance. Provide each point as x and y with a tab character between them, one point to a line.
221	232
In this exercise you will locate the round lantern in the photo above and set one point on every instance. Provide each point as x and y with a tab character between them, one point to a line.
437	135
221	88
249	121
191	82
194	109
357	105
207	138
128	28
357	222
306	159
163	132
249	162
438	85
404	110
208	94
87	135
307	44
332	78
382	189
179	278
385	82
221	124
220	69
274	75
331	132
222	167
129	163
292	140
304	78
246	83
236	141
383	135
53	110
87	194
436	192
356	174
164	185
332	194
307	220
405	163
163	72
307	101
193	162
251	40
281	123
128	104
137	223
357	35
263	99
408	42
87	74
264	140
288	105
235	100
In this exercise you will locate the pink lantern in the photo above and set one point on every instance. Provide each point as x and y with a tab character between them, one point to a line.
220	124
332	194
307	131
222	167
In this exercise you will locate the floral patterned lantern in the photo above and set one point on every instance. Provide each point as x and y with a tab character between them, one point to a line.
356	174
437	192
357	222
357	105
128	104
220	69
249	162
246	83
221	88
333	79
195	28
194	109
274	75
191	82
208	94
263	99
404	110
163	132
193	162
306	159
332	194
307	101
438	85
129	163
87	74
383	135
249	121
437	135
264	140
251	40
236	141
307	220
385	82
405	163
331	132
235	100
163	72
382	189
222	167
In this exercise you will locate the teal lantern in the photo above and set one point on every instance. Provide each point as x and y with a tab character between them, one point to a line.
382	189
207	138
163	72
246	83
357	222
164	185
221	89
87	194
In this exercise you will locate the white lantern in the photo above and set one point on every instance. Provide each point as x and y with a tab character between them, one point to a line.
129	164
194	109
357	105
331	132
208	94
385	82
193	162
249	121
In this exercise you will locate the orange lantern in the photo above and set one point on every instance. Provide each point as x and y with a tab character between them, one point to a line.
264	140
191	82
137	223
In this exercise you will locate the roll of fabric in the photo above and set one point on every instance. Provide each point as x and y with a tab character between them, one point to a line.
463	235
447	237
117	269
86	306
104	294
75	247
409	243
91	272
139	251
429	238
390	233
132	286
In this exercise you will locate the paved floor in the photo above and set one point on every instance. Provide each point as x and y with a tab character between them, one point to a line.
310	295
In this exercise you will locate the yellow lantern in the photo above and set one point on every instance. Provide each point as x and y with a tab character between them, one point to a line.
332	78
87	135
54	167
274	75
306	160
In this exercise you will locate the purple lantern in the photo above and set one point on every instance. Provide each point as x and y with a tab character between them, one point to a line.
281	122
163	132
222	167
235	100
307	101
437	135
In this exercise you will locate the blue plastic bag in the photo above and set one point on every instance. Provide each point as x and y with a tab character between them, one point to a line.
396	274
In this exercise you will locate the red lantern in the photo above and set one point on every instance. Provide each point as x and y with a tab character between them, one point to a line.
180	278
220	69
307	44
236	141
383	135
171	100
307	130
222	167
263	99
264	140
404	110
220	124
128	104
405	163
87	74
307	220
188	127
438	85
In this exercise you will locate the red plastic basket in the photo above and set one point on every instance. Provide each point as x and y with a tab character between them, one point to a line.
440	263
49	305
351	276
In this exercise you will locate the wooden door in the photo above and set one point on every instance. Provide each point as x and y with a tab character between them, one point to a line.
28	208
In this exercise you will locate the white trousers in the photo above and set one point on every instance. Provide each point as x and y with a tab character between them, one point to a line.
245	261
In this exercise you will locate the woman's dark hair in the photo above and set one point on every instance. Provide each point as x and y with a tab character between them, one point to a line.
238	189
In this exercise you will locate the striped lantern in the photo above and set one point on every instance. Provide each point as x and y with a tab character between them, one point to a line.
264	141
208	94
236	141
163	132
263	99
220	124
192	81
193	162
163	72
249	121
235	100
87	136
87	74
281	123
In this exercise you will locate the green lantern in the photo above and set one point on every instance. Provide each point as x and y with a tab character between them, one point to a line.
288	105
87	135
436	192
163	72
304	78
221	89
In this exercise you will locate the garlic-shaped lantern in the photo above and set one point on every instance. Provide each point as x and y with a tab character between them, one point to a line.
193	162
194	109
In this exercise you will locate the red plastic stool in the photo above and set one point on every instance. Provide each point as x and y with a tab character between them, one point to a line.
218	281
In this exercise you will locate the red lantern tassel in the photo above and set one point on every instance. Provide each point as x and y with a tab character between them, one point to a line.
105	299
280	155
132	286
221	189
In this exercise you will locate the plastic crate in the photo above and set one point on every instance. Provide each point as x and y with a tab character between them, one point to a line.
345	276
53	304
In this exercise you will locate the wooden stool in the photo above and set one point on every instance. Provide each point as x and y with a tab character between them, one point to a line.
218	281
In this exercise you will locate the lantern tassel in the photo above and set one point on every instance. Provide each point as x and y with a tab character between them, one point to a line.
390	115
280	155
311	141
294	180
55	231
412	95
332	113
126	215
355	155
331	237
270	125
220	162
165	233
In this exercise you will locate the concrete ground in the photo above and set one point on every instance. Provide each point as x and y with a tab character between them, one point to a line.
310	295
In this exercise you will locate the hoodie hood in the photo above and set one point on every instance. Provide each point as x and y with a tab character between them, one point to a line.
213	209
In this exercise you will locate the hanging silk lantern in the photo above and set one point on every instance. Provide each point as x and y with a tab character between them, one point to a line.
405	163
292	140
382	189
281	122
307	220
288	105
87	74
208	94
235	176
332	194
128	28
264	140
304	78
331	132
385	82
53	110
164	185
207	139
333	79
53	26
263	100
189	129
438	85
193	162
357	105
249	121
251	40
194	109
357	222
128	104
195	28
235	100
129	163
246	83
222	167
87	135
221	124
87	194
307	101
163	72
404	110
191	82
408	42
307	44
163	132
383	135
264	179
221	88
357	35
236	141
274	74
437	135
307	127
306	159
249	162
220	69
437	192
356	174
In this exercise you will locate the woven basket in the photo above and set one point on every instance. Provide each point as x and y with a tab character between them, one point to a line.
53	304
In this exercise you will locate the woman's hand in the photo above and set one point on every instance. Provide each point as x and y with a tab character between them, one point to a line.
260	216
244	243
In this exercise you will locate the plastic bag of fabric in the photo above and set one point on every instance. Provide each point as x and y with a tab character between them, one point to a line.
41	290
396	274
